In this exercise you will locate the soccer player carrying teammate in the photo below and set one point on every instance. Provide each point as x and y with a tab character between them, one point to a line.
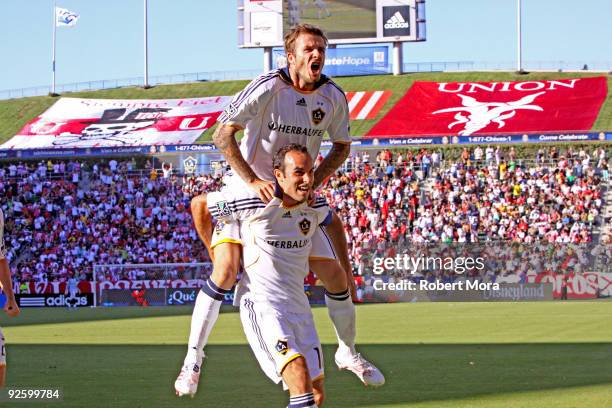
274	309
293	105
10	307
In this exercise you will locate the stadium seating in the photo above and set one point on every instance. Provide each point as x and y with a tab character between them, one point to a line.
64	217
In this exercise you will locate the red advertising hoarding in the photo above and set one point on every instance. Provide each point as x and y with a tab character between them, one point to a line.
467	108
577	285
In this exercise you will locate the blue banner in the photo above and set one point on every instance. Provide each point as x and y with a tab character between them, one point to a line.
207	148
347	61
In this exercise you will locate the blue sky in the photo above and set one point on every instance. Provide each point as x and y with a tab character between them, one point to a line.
200	35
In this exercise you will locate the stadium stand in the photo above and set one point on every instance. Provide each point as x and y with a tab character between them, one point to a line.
63	217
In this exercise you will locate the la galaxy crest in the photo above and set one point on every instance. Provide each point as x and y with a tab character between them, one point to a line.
304	226
318	115
219	227
282	347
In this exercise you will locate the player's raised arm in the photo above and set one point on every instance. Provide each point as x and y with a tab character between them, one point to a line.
225	140
339	133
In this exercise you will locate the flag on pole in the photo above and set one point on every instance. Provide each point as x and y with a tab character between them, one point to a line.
65	17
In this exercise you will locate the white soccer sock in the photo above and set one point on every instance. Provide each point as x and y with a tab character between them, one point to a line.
342	314
205	314
302	401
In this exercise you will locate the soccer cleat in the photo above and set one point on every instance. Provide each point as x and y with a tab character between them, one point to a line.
368	373
187	381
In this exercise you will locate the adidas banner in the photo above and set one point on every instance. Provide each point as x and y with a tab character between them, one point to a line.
55	300
396	21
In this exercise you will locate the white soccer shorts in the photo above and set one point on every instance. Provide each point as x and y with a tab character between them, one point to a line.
226	232
322	246
277	339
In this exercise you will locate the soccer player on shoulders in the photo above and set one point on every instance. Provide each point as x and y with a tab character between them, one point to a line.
10	307
297	104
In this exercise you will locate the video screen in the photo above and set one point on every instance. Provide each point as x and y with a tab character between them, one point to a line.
340	19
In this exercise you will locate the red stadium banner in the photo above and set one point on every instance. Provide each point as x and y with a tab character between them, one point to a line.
74	122
39	288
579	285
605	284
366	104
467	108
151	284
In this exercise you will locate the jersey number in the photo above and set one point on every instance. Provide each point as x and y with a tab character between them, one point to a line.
318	355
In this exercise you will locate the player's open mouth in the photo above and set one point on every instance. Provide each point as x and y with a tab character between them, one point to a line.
315	67
304	188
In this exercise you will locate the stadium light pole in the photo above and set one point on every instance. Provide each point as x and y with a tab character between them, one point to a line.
267	59
146	47
519	64
398	58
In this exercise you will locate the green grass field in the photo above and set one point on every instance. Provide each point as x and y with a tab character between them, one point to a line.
553	354
15	113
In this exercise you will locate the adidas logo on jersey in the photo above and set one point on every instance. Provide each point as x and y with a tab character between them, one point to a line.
301	102
286	215
396	21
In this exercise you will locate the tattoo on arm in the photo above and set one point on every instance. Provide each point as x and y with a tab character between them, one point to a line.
336	156
225	140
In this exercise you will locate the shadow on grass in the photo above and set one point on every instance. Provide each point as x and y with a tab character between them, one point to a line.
142	376
45	315
30	316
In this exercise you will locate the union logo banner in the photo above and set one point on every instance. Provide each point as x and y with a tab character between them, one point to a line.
467	108
75	122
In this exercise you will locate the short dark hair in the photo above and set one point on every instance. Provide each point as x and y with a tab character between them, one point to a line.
295	32
279	158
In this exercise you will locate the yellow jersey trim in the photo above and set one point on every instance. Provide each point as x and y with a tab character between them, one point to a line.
226	241
320	258
293	357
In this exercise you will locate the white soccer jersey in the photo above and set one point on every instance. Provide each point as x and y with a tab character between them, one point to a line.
273	114
276	247
2	247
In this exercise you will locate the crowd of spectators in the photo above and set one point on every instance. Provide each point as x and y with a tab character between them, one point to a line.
64	217
486	194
